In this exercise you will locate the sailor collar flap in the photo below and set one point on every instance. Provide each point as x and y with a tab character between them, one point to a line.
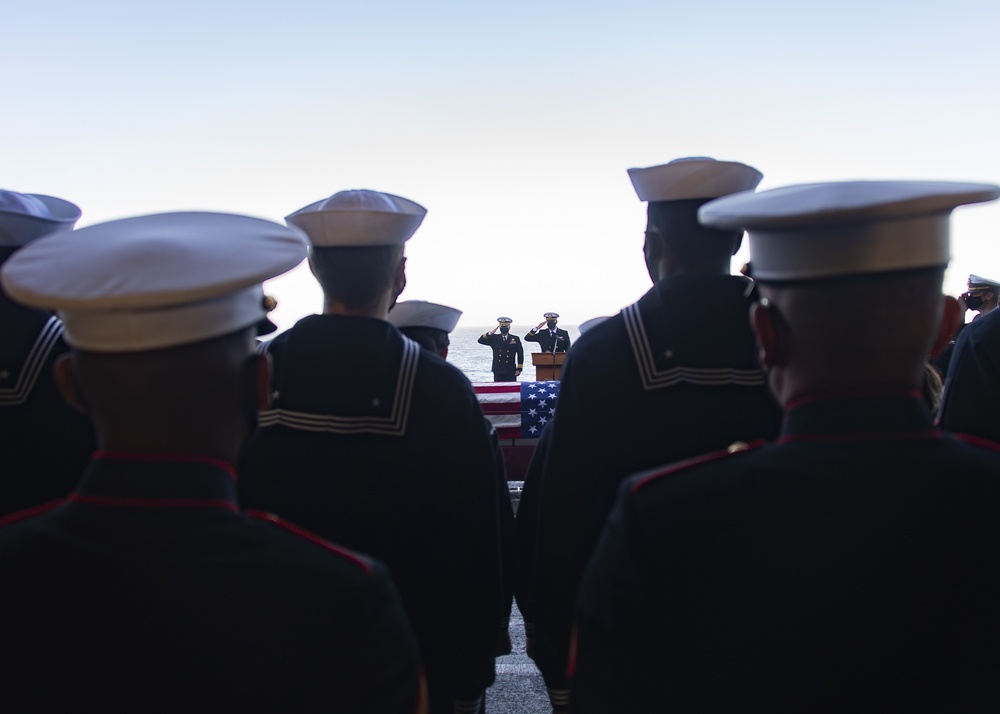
325	379
695	331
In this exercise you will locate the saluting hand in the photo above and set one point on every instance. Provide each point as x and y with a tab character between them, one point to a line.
540	325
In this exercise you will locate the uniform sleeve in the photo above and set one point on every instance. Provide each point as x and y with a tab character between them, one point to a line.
567	341
484	339
532	336
390	661
520	354
610	665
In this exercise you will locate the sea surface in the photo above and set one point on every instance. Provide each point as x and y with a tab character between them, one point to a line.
475	359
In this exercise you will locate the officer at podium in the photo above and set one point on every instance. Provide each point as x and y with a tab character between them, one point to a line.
551	339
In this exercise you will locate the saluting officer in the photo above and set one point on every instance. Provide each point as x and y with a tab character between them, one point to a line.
848	566
551	339
32	414
508	352
147	588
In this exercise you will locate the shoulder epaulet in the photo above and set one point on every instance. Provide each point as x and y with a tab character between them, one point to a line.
975	440
737	447
349	555
31	512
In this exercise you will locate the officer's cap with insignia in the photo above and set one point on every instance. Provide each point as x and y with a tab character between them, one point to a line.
359	218
551	315
153	282
25	217
850	228
978	284
504	320
420	313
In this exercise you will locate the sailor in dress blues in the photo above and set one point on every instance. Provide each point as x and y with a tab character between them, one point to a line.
374	443
669	377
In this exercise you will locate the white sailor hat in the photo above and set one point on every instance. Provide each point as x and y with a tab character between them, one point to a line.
27	216
845	228
420	313
359	218
591	323
157	281
694	177
551	315
503	320
978	283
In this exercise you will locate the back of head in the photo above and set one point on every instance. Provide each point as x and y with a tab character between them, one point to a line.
675	191
357	277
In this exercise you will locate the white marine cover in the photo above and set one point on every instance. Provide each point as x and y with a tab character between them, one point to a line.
155	281
844	228
693	177
359	218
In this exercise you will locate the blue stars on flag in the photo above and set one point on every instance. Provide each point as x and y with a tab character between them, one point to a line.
538	406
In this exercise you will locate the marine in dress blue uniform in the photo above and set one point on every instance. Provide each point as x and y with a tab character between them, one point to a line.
847	567
671	376
147	588
376	444
508	351
551	339
33	416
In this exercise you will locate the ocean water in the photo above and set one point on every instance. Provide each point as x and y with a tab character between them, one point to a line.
475	359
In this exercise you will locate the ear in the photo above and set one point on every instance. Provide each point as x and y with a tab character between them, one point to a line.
951	317
772	334
263	382
64	374
401	277
652	251
444	353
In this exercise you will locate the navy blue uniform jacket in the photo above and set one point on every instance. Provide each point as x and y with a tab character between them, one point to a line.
148	590
507	354
672	376
850	567
382	447
546	340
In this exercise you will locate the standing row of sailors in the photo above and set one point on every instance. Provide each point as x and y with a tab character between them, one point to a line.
777	525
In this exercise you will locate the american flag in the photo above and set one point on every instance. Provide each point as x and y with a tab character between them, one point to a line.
518	409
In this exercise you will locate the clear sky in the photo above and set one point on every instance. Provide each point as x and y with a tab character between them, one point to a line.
513	123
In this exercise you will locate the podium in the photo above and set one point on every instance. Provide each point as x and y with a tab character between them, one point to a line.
548	365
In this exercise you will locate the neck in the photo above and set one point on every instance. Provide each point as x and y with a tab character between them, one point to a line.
378	310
